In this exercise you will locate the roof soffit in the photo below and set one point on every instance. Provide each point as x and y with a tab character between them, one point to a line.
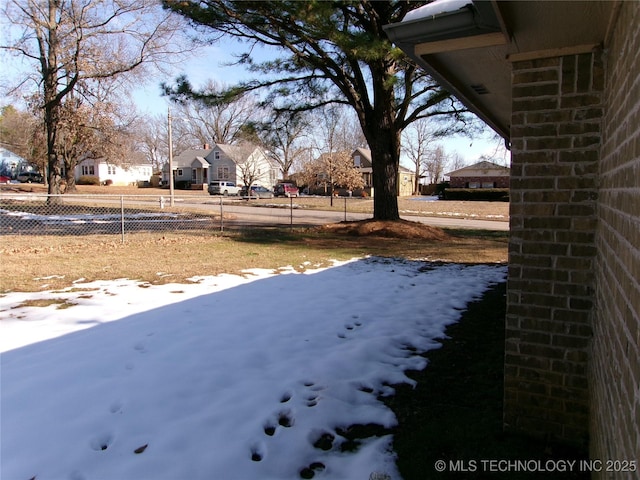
476	68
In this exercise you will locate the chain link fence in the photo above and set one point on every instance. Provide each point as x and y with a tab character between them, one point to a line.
81	215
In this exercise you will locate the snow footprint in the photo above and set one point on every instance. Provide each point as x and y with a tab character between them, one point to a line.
140	347
258	452
350	327
283	418
312	394
101	442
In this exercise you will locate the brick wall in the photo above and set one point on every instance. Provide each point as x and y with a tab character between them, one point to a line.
555	134
615	364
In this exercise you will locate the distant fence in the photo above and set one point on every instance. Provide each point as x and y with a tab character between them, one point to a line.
42	214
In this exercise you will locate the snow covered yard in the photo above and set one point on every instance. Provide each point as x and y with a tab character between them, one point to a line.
231	377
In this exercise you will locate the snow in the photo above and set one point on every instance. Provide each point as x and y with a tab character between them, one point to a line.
229	377
435	8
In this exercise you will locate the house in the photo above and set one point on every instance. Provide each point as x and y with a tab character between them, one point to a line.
480	175
362	160
195	168
135	170
190	169
559	81
11	164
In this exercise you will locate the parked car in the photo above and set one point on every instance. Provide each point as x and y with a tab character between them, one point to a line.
285	190
223	188
257	191
30	177
5	179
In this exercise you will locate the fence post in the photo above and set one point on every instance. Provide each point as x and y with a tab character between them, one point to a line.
345	209
221	216
122	216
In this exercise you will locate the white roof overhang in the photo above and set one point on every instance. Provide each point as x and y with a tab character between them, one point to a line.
468	45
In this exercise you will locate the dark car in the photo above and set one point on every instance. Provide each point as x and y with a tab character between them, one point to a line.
30	177
285	190
257	191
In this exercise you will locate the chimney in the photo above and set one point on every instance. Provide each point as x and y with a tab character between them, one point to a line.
207	146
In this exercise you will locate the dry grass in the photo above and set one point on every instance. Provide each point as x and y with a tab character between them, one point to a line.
32	263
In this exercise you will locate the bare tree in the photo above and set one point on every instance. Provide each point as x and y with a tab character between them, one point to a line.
153	140
336	137
91	132
285	139
216	120
21	132
456	161
418	139
308	170
72	44
436	164
245	157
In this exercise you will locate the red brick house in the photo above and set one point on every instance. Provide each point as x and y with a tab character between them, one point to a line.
480	175
560	81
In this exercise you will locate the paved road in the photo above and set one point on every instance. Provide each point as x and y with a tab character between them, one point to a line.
278	216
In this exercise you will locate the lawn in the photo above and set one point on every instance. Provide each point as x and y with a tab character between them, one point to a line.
453	414
270	374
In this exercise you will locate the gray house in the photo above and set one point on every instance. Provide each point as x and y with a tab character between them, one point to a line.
195	168
560	82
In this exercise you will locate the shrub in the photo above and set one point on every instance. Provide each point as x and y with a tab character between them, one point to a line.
477	194
88	180
108	182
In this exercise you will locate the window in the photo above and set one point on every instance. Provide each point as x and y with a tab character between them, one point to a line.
216	155
356	161
111	169
223	173
88	170
179	172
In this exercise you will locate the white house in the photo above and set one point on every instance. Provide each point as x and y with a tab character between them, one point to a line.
135	170
11	164
195	168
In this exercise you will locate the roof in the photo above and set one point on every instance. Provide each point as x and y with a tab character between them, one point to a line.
186	157
468	46
237	153
365	155
200	162
483	166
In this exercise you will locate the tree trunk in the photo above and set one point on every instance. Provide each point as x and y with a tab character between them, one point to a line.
70	178
49	62
384	140
53	165
385	179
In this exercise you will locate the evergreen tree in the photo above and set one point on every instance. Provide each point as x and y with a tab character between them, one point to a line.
332	52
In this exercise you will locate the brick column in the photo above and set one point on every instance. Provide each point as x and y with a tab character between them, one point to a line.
555	133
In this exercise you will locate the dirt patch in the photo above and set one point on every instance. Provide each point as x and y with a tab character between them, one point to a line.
389	229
